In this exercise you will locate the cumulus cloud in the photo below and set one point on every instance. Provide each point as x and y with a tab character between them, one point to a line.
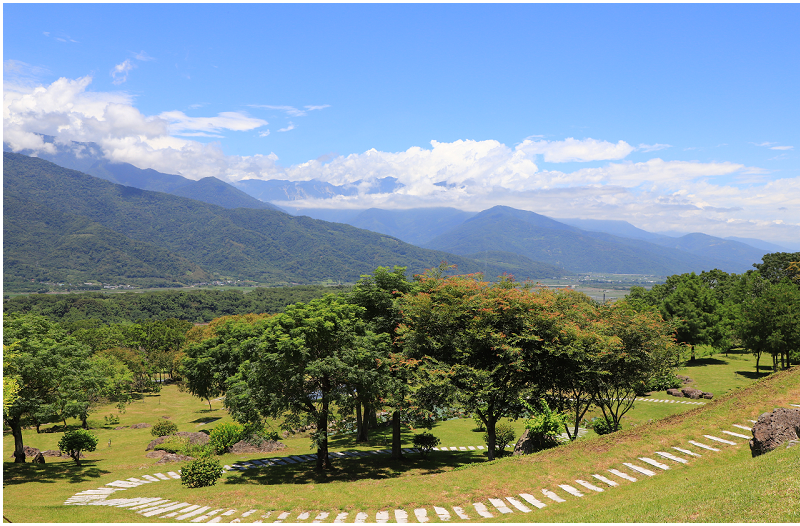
120	72
573	150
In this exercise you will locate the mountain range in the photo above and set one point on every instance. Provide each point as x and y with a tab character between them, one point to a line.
50	211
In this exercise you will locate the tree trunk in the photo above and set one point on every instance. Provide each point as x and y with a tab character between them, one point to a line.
360	435
758	358
19	447
491	431
397	452
85	421
323	461
209	403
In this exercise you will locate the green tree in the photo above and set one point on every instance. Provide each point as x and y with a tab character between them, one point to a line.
694	311
306	360
45	359
776	266
770	323
75	442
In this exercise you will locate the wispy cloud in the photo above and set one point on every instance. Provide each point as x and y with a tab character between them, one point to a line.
653	147
264	133
772	146
143	56
291	110
288	128
61	37
182	124
782	148
120	72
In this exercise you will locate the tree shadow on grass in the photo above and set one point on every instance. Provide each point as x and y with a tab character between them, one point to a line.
350	470
205	420
752	375
49	473
699	362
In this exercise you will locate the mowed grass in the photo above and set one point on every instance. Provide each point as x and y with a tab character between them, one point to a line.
725	486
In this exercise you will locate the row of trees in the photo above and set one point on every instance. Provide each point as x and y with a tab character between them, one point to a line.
758	310
412	346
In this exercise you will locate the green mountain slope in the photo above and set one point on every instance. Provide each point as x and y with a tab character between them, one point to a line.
262	245
43	244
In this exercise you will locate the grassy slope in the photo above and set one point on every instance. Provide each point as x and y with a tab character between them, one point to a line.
725	486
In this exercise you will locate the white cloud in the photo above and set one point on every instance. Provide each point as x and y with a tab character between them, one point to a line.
120	72
782	148
143	56
290	127
264	133
291	110
182	124
573	150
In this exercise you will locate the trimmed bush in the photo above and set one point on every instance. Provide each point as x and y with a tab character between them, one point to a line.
425	442
73	442
544	426
201	472
163	428
173	444
602	426
224	436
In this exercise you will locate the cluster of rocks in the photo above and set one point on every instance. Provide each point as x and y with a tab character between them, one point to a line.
37	456
165	457
690	392
267	446
773	429
198	438
141	426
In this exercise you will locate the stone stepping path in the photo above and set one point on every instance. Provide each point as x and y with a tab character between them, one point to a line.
669	401
185	511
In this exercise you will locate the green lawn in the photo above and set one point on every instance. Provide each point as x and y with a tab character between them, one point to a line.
725	486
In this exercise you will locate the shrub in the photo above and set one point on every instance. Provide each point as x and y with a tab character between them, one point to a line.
111	420
73	442
544	426
604	426
201	472
173	444
479	425
504	435
660	382
425	442
224	436
163	428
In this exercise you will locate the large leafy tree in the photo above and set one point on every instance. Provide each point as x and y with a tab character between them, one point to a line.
49	366
306	360
770	322
778	265
490	337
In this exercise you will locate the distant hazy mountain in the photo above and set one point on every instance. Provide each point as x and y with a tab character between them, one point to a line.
543	239
614	227
267	246
88	158
757	243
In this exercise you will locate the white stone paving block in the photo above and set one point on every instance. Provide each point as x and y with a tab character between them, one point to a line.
655	463
248	513
442	513
533	500
721	440
321	517
192	507
552	496
361	518
400	516
139	481
460	512
471	448
462	448
304	516
481	447
482	511
622	475
421	514
686	451
215	519
382	517
173	474
142	500
151	478
123	484
753	421
205	517
453	449
154	504
436	449
198	511
569	489
500	505
289	460
99	491
743	427
672	457
704	446
739	435
589	486
164	509
340	518
517	504
608	481
228	513
795	405
640	469
282	517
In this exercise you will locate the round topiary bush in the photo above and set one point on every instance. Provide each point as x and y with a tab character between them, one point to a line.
73	442
225	435
425	442
201	472
164	428
504	435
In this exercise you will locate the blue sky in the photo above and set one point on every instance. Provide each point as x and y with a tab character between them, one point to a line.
673	117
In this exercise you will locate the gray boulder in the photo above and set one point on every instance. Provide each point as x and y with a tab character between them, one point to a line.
773	429
524	445
675	392
689	392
